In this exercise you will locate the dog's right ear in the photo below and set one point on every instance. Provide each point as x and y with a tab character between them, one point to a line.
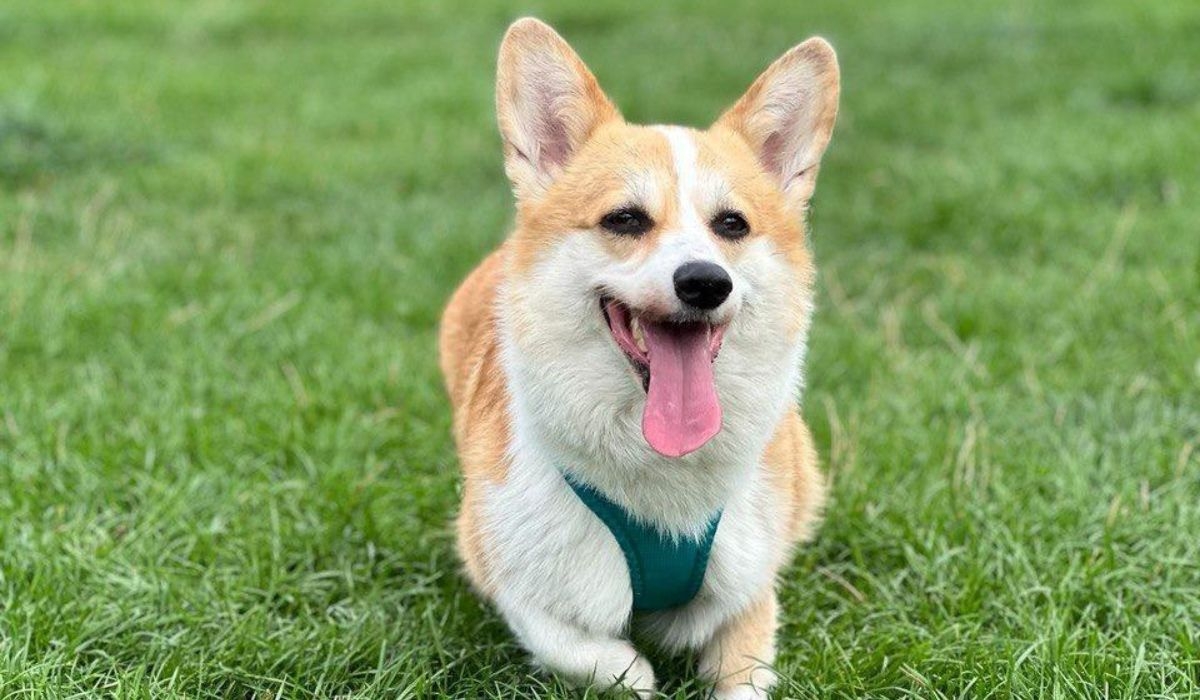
547	102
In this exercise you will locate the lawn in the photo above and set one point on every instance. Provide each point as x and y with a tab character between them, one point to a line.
227	230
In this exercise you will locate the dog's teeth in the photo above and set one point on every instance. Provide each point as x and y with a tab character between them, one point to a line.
639	336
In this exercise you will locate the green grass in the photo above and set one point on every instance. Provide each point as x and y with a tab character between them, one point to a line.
227	231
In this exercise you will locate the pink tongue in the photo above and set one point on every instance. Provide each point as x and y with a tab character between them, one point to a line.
682	412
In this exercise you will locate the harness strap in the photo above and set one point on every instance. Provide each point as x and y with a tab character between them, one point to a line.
664	572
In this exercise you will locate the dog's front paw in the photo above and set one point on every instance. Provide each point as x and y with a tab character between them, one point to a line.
631	672
758	687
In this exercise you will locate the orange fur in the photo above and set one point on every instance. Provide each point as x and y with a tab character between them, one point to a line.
596	182
469	356
736	652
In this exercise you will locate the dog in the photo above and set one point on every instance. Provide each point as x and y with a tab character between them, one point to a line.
624	371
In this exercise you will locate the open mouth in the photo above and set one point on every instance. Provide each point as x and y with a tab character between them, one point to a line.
674	361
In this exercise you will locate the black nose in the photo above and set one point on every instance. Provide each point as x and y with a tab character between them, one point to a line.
703	285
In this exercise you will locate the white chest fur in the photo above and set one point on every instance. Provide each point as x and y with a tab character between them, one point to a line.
549	552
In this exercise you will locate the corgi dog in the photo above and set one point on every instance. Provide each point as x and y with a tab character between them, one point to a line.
624	371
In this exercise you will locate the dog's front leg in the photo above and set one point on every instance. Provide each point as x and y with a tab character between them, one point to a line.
578	655
738	657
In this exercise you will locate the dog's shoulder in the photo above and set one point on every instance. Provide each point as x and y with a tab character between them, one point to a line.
469	352
468	328
792	466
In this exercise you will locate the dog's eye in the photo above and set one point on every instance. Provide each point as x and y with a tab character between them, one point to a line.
730	224
630	221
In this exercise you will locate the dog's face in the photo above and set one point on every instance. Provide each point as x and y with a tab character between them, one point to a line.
643	253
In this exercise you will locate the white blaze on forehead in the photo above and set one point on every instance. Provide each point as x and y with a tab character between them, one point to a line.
685	157
693	187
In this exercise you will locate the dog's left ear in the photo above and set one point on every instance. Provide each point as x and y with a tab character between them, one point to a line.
787	116
547	102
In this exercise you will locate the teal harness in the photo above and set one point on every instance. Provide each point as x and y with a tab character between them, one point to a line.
664	572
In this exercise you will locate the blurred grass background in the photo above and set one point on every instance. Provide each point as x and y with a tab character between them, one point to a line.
227	230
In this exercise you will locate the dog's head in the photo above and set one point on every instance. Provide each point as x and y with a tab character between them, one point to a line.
643	254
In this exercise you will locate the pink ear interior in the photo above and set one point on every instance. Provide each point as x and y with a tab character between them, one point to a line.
771	153
549	127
